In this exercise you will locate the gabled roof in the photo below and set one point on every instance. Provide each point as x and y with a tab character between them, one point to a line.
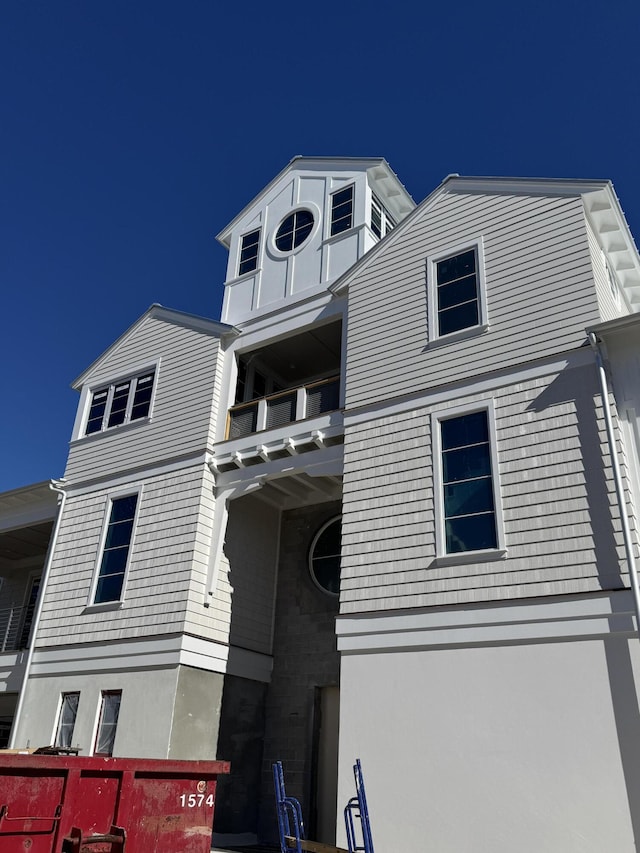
601	206
169	315
383	173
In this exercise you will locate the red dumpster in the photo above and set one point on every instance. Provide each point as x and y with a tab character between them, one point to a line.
51	804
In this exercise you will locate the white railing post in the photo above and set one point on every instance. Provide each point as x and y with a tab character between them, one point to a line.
301	403
261	419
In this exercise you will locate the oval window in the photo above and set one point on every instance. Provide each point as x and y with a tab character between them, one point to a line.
294	230
324	556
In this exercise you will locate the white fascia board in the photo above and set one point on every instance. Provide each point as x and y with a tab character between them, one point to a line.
319	307
312	163
169	315
611	327
534	620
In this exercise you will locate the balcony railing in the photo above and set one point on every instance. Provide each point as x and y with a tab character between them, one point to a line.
15	627
285	407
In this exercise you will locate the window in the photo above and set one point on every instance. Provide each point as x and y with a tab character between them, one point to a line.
121	402
249	252
67	720
381	220
341	211
294	230
468	503
108	722
115	551
324	556
456	291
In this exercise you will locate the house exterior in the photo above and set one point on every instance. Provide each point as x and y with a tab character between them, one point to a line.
385	508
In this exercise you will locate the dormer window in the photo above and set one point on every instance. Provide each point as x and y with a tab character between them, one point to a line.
342	211
249	245
294	230
120	403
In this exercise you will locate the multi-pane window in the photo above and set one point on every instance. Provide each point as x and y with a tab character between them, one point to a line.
381	220
249	252
342	210
469	506
457	293
108	722
294	230
121	402
324	557
67	720
115	552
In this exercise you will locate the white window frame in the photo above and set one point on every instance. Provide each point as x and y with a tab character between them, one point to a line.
332	195
477	244
500	551
96	732
246	234
387	221
111	497
89	391
56	731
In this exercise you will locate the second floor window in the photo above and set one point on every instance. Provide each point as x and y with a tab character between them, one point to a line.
115	551
120	403
381	220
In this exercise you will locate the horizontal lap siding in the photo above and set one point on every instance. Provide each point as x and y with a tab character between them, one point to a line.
539	286
182	409
560	515
169	541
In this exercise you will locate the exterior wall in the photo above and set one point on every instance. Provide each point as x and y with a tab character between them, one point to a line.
196	714
144	723
561	524
507	736
610	306
539	290
160	573
181	412
305	657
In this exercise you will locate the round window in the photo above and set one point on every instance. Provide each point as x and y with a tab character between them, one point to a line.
324	557
294	230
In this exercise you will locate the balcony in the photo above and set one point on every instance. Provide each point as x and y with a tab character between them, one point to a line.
15	627
285	407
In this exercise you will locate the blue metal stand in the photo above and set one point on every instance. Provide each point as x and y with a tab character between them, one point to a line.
357	808
289	813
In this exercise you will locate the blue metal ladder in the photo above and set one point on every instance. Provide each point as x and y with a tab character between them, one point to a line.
357	809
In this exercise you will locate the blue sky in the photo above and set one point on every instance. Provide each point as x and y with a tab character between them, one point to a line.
132	132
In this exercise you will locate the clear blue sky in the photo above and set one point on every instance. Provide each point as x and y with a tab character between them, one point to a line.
132	132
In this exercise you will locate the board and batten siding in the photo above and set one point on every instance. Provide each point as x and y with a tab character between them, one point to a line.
539	290
181	416
562	527
169	541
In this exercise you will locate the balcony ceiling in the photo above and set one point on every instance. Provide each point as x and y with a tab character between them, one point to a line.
297	358
24	543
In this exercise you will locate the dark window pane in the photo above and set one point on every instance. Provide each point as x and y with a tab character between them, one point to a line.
119	534
469	497
109	588
119	404
325	558
327	573
249	252
455	319
457	266
471	533
466	463
342	197
465	430
142	397
114	561
284	241
304	225
462	290
328	543
96	412
123	508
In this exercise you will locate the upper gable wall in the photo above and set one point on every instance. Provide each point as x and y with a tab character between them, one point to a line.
187	362
281	279
540	293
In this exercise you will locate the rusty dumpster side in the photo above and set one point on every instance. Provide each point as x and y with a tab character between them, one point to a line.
163	806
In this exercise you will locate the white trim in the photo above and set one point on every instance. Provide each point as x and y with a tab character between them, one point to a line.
437	417
474	385
477	245
553	619
151	653
270	240
112	495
